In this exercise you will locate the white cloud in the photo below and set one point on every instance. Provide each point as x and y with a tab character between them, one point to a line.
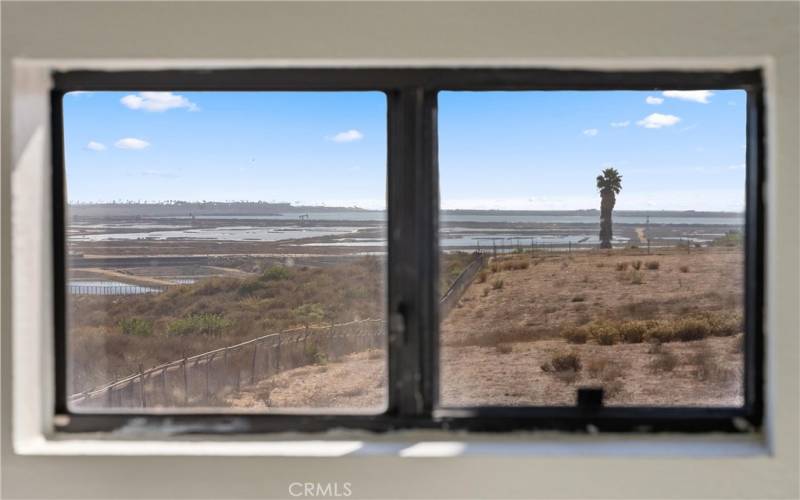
700	96
96	146
620	124
591	132
131	143
654	100
657	120
157	101
347	136
78	93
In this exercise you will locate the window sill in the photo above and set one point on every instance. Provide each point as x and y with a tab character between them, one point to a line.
406	445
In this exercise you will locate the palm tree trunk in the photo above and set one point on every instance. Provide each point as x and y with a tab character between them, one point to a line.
606	207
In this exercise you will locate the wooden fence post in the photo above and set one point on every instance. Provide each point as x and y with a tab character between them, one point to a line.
208	376
225	370
253	364
141	386
278	354
185	381
164	397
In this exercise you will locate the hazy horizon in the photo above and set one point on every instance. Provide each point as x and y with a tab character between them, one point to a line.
333	207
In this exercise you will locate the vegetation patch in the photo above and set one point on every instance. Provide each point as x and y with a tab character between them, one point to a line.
575	335
687	329
664	362
206	324
136	327
635	277
560	362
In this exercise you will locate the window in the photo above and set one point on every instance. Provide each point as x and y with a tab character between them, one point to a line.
189	286
647	307
469	372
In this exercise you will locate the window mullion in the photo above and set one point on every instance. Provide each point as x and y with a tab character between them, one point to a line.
413	253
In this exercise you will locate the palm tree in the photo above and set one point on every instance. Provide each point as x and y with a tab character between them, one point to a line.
609	184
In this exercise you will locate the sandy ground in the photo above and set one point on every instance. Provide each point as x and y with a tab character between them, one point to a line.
359	381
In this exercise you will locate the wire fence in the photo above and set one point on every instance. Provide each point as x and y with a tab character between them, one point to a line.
456	290
78	289
206	378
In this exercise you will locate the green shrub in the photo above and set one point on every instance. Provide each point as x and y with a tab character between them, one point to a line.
314	355
563	363
636	278
602	332
726	326
731	239
248	287
136	327
665	361
652	265
632	332
575	335
497	284
275	273
206	324
660	331
310	313
606	336
690	329
636	264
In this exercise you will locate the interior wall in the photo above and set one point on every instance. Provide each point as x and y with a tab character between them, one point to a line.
586	34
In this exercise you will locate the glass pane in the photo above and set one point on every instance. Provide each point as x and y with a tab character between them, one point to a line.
227	250
594	239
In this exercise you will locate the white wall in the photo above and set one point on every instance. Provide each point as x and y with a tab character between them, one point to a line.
624	34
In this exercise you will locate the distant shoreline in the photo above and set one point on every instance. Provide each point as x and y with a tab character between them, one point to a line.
278	209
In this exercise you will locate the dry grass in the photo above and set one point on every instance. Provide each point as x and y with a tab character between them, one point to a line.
623	324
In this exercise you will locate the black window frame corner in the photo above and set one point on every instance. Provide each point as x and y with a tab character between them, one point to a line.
413	251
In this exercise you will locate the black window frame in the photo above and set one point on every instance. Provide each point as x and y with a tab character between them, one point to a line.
413	253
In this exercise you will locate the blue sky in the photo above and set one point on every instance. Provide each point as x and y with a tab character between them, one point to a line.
498	150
